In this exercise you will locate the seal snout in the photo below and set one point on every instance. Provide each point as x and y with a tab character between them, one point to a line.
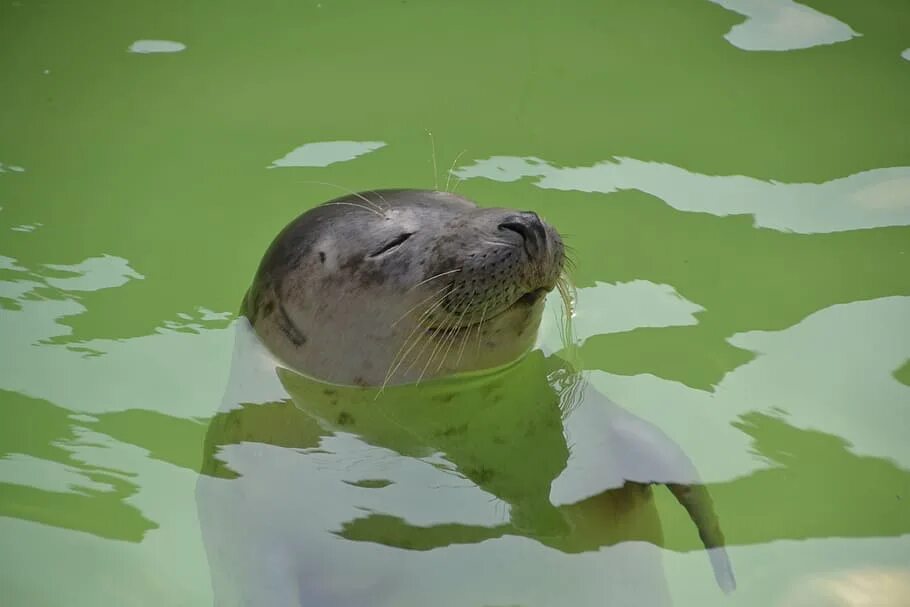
530	228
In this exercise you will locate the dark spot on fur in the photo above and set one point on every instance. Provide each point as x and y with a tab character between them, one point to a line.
369	273
345	419
321	256
352	263
372	275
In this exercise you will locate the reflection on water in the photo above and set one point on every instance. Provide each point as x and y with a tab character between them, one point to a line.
98	375
79	457
497	439
93	274
880	197
632	305
821	489
57	473
827	372
26	227
95	501
324	153
868	586
10	168
903	373
747	279
156	46
782	25
329	440
742	252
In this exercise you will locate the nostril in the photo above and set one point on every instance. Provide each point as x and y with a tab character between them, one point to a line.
517	227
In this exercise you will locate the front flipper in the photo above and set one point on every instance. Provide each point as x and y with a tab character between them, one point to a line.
647	455
697	502
612	447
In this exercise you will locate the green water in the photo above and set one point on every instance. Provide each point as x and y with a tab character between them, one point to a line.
740	219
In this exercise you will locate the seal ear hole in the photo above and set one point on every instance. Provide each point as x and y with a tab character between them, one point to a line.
397	241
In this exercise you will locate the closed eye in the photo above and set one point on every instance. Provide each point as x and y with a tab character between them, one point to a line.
397	241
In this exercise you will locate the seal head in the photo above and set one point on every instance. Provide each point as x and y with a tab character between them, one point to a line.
395	286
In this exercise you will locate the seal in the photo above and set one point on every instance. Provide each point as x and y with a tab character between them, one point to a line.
390	287
355	306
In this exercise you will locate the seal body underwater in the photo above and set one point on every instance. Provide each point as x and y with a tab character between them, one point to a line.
338	473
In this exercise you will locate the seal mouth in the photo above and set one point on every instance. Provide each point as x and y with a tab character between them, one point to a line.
526	300
530	298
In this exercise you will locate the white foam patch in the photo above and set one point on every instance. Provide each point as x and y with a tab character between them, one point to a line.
906	54
325	153
782	25
156	46
874	198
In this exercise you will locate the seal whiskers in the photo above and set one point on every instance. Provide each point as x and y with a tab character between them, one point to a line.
567	294
480	327
355	194
433	152
467	336
455	329
440	275
420	303
452	168
360	206
420	330
450	324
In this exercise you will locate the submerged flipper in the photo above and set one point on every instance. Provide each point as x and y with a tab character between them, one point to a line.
647	455
697	502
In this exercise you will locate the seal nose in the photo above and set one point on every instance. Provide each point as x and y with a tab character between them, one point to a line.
528	225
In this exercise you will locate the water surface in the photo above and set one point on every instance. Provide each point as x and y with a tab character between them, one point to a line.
734	177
